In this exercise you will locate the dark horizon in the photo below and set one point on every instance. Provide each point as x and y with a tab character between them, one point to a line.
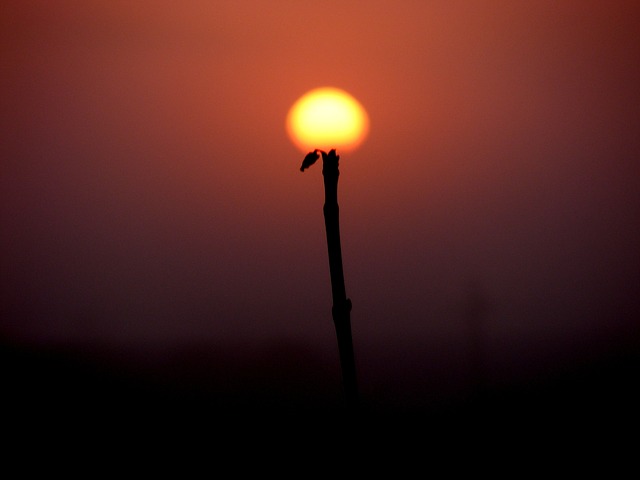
218	383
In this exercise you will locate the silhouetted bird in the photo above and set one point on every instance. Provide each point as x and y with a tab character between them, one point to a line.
310	159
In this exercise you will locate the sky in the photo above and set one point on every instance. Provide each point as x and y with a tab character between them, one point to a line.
153	214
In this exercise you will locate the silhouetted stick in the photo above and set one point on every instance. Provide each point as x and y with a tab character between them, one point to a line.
341	310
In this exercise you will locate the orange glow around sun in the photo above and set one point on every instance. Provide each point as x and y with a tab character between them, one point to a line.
327	118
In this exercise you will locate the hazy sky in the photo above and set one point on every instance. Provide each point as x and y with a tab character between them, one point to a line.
149	195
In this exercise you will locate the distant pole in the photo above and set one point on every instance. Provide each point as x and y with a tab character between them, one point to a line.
341	310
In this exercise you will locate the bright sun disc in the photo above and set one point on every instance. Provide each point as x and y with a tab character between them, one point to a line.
327	118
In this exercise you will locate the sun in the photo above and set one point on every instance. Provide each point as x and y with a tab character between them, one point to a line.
326	118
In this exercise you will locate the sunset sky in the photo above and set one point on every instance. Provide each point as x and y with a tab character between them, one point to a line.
151	200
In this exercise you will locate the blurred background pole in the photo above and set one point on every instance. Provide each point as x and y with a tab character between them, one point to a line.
341	310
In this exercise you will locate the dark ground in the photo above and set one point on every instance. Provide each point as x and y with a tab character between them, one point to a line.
289	385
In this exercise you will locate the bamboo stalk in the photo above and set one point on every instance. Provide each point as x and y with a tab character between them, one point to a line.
341	310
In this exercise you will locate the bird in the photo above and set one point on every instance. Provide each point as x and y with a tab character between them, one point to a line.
309	159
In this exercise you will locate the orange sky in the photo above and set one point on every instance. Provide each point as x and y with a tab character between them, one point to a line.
149	193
